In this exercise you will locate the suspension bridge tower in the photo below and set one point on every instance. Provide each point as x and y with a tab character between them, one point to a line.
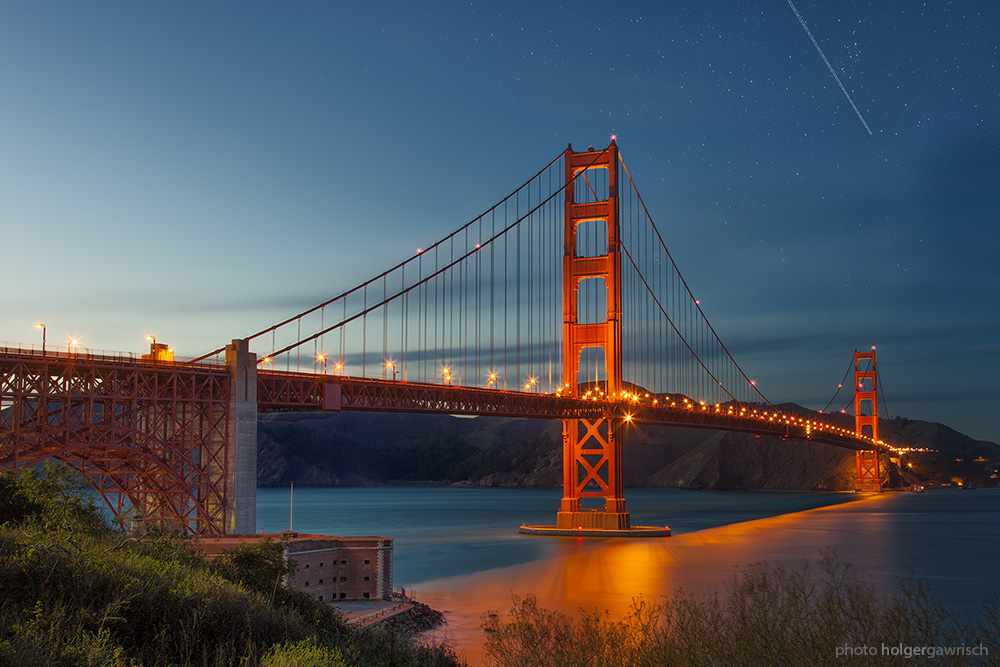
866	400
592	451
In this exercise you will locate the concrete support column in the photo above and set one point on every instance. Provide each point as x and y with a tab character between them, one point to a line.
241	454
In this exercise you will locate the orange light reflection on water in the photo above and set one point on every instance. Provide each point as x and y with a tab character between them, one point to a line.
608	574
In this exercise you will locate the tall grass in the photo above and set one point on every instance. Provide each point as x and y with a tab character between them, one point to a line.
819	614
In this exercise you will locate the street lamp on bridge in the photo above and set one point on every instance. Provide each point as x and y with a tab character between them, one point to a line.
69	346
389	365
41	326
322	360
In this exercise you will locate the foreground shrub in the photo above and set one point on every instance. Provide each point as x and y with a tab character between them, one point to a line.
73	592
56	499
768	616
59	594
302	654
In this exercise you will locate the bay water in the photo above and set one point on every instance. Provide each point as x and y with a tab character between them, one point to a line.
458	549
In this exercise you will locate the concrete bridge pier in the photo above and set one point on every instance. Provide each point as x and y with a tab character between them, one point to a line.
241	454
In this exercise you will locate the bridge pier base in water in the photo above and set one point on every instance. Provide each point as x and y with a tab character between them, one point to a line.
869	474
592	464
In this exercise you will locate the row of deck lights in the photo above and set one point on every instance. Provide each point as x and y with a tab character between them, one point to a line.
73	342
592	394
596	393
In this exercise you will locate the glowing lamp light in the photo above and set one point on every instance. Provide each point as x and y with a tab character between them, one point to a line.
41	326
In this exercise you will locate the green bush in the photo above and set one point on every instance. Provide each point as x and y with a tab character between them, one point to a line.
75	593
57	499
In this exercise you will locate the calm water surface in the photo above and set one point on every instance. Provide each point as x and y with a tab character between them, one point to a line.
458	548
447	531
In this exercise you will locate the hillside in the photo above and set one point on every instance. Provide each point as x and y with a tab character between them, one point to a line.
359	449
76	592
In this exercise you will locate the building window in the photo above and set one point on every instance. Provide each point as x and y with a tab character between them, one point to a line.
343	562
307	584
320	598
343	595
367	562
321	563
367	595
321	581
366	579
307	566
343	578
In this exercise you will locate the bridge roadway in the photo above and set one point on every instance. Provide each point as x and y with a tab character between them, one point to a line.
287	391
80	375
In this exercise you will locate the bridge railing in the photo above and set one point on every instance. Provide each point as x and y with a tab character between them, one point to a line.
91	354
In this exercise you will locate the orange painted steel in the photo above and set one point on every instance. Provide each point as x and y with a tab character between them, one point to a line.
152	438
865	391
158	440
592	448
281	391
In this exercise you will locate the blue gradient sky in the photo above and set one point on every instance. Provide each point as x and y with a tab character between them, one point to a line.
201	171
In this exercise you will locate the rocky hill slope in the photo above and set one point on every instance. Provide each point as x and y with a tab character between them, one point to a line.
357	449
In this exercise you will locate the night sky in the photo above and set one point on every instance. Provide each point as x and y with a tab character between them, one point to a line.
201	170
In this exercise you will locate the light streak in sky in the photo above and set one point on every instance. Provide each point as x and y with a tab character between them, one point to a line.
829	66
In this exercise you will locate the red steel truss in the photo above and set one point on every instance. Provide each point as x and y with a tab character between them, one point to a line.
151	437
155	439
279	391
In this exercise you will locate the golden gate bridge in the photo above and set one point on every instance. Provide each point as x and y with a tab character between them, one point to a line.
561	301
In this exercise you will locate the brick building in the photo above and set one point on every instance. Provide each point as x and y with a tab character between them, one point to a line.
329	568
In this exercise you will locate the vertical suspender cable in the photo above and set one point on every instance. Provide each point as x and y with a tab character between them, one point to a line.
493	228
506	290
385	326
517	292
364	334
